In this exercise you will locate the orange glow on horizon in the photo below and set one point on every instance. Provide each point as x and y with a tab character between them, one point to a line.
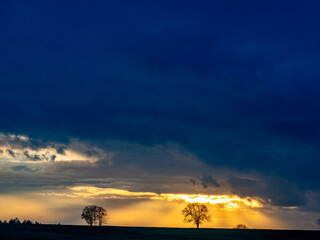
151	209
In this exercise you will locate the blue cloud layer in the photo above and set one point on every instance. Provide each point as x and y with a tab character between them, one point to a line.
235	83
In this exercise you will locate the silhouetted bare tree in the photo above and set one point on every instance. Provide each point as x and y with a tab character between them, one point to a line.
102	215
89	213
93	214
196	213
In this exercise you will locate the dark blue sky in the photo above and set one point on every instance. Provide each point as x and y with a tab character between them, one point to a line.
236	83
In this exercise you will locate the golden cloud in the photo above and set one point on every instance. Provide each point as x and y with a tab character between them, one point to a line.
219	201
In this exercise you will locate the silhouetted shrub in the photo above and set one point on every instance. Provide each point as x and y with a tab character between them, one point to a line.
14	221
27	222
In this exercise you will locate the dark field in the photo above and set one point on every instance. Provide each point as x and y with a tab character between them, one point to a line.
8	232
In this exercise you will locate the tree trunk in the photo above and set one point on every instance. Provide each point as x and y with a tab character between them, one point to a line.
197	225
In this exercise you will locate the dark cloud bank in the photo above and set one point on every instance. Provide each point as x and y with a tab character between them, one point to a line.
235	83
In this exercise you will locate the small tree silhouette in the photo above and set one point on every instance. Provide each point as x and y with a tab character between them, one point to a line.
196	213
241	226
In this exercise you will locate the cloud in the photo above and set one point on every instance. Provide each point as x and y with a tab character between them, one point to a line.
53	157
194	182
26	153
10	152
151	162
35	157
21	141
209	181
206	181
221	201
91	153
116	158
76	151
25	168
318	221
60	150
278	191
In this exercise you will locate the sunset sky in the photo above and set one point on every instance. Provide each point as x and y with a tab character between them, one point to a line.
144	106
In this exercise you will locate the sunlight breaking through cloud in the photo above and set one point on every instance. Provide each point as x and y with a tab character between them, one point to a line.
227	201
219	201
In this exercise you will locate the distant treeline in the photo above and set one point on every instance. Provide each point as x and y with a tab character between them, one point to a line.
16	221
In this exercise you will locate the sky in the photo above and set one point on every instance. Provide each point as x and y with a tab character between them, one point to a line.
145	106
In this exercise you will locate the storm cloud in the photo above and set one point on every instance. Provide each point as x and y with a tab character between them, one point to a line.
175	90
